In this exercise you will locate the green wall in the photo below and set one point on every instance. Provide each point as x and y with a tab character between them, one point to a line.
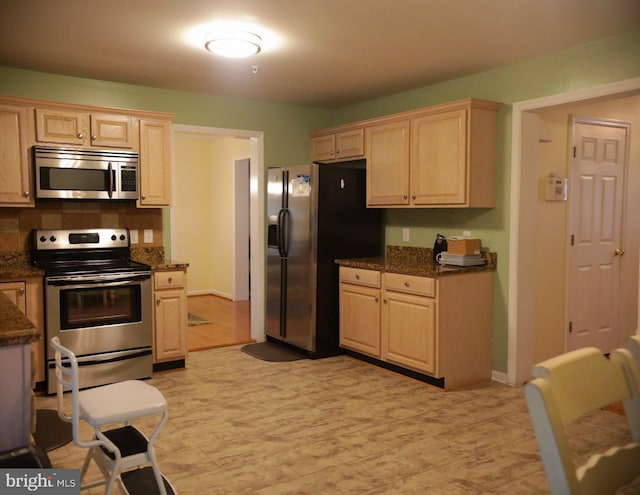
285	129
606	61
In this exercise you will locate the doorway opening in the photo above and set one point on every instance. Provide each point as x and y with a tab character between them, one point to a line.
524	227
206	231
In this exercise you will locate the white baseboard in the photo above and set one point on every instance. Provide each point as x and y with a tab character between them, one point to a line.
499	376
210	293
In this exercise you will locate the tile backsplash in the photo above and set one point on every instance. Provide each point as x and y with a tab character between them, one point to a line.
16	224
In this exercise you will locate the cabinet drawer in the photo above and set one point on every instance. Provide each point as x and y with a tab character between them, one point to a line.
168	280
359	276
411	284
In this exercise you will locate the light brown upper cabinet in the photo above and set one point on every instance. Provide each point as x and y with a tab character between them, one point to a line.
387	153
442	156
338	146
15	176
25	122
155	163
451	163
85	129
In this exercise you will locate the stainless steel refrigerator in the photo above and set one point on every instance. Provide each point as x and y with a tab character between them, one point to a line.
316	214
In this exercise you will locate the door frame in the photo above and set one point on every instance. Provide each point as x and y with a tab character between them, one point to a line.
256	214
241	230
520	330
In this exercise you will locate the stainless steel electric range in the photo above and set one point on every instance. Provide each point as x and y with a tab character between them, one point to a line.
97	301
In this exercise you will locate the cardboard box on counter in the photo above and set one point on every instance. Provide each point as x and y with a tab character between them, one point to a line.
463	245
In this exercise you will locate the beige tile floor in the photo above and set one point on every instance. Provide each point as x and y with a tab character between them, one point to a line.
239	425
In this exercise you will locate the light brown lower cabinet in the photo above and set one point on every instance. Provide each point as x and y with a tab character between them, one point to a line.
439	327
360	310
169	316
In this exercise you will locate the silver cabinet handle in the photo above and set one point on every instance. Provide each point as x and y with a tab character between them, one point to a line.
375	299
406	284
21	291
404	196
93	137
26	194
157	302
619	252
143	196
413	196
170	280
80	135
357	277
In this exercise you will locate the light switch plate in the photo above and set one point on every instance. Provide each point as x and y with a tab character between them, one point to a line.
133	236
406	235
148	235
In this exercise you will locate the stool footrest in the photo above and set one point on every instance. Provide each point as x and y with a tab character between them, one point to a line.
142	482
128	439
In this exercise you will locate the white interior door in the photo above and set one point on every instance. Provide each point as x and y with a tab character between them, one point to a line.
595	255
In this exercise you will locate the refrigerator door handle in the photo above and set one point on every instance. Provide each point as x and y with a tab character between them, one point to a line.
281	233
285	233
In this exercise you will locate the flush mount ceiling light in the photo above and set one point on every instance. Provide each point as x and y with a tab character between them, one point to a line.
233	44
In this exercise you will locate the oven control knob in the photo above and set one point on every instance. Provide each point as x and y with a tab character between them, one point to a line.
52	238
113	237
43	238
122	237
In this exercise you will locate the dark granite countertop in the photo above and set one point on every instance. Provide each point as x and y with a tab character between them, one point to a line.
16	266
154	257
415	261
15	327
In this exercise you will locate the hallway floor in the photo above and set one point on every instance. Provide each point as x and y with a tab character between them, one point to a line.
230	322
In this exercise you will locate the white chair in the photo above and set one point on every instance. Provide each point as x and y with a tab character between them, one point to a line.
568	387
115	451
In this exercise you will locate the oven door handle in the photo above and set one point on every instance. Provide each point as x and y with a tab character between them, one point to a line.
112	357
96	280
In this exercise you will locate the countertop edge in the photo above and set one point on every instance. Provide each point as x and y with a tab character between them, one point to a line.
382	265
15	327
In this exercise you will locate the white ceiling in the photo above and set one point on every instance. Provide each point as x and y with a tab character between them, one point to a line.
325	53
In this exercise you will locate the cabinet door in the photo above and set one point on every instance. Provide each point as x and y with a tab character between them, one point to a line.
323	148
439	159
17	294
155	163
62	126
360	319
387	153
111	131
350	144
409	331
15	174
170	336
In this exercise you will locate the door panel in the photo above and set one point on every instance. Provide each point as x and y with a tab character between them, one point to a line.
274	264
300	263
596	228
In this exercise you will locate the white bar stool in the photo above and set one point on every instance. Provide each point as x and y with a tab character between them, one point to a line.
115	450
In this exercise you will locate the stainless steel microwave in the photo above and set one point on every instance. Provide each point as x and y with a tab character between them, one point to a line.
65	173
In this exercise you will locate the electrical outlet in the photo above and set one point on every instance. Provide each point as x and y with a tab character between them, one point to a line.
466	233
405	235
148	235
133	236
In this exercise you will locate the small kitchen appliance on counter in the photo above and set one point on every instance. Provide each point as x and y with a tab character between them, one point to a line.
97	301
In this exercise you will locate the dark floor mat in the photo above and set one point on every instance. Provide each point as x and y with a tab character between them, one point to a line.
268	351
51	432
